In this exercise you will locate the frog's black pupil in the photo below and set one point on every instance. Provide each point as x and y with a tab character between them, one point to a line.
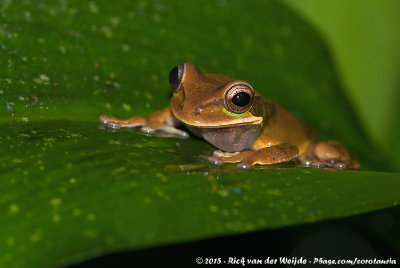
241	99
173	76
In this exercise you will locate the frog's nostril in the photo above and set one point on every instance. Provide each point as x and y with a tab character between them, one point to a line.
197	111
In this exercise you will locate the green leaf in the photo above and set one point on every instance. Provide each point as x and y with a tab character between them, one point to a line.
71	190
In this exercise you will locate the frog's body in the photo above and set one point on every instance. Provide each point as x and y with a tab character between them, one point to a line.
231	116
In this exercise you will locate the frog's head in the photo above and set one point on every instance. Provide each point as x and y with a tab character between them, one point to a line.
210	100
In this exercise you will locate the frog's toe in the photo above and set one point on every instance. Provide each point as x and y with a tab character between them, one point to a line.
336	164
216	160
220	157
245	164
113	125
220	153
110	122
150	129
347	165
175	131
104	118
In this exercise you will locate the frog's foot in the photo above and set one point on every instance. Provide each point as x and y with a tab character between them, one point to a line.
332	155
149	125
265	156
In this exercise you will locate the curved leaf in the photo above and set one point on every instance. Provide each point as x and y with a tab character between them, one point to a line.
71	190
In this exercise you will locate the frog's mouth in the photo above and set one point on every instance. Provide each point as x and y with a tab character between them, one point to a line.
237	122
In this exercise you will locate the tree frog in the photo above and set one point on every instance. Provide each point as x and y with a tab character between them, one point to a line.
246	128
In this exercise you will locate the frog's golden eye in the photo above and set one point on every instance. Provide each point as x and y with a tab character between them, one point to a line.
239	98
176	76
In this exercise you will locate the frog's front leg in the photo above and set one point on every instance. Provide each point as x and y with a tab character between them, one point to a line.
161	120
264	156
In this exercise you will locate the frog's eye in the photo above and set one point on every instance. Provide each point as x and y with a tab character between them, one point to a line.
239	98
176	76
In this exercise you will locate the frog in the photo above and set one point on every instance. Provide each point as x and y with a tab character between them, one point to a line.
244	127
